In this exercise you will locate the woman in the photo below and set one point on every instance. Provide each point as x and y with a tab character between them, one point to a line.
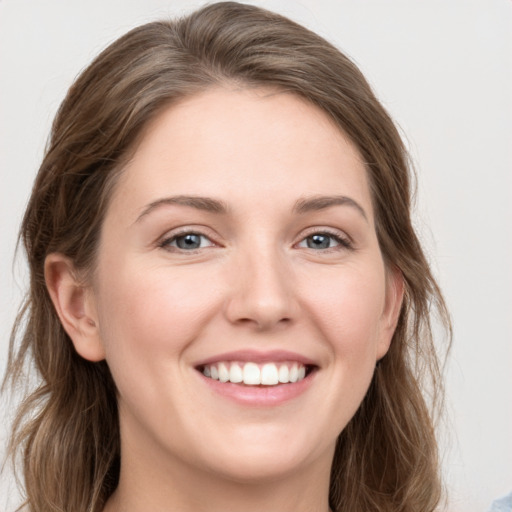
229	308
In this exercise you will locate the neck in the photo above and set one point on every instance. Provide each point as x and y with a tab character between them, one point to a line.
180	487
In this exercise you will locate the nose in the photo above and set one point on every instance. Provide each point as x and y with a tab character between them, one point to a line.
261	294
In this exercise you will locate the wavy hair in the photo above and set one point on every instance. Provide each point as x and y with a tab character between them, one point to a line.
66	433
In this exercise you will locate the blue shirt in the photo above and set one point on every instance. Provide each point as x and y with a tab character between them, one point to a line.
502	504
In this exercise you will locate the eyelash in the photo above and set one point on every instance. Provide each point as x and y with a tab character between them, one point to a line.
166	242
343	242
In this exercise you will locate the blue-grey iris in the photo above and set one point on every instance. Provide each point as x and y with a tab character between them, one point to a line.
319	241
189	241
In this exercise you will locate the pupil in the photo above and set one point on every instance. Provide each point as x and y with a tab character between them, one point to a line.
188	241
318	242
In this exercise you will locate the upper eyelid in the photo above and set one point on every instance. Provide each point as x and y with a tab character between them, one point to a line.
340	240
185	230
172	234
326	231
181	235
344	241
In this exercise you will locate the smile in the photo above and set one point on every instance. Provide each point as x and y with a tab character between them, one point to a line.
253	378
254	374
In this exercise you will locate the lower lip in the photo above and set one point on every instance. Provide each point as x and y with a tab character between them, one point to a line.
260	396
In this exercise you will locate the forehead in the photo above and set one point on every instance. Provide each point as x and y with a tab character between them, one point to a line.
241	144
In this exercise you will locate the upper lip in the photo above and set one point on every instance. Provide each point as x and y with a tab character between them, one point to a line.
256	356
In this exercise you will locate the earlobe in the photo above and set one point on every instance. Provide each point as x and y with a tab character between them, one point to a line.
394	298
74	305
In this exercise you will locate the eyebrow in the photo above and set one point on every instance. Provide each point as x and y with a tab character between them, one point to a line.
208	204
316	203
200	203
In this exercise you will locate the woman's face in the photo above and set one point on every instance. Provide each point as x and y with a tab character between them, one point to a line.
239	247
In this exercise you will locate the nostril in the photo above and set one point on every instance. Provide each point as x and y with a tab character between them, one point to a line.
263	322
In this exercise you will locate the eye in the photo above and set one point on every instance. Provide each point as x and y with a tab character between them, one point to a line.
187	242
322	241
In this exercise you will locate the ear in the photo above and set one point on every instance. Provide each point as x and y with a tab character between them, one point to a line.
393	306
74	305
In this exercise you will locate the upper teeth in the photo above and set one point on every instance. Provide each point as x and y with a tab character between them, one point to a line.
268	374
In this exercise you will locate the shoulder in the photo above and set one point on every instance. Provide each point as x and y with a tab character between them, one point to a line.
502	504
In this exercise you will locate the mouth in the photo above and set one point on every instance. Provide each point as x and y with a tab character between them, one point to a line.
259	379
251	373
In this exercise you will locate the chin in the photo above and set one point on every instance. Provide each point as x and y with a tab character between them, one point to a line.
258	469
261	454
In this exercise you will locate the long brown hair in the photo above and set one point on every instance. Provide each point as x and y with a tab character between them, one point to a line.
67	429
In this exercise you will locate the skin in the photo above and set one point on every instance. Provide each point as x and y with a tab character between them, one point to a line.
154	310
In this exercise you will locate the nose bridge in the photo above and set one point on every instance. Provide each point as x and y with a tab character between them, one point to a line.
262	292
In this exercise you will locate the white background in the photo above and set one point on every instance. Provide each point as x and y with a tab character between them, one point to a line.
443	68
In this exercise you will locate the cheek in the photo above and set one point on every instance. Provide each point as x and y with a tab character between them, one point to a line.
345	308
147	321
348	308
152	312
